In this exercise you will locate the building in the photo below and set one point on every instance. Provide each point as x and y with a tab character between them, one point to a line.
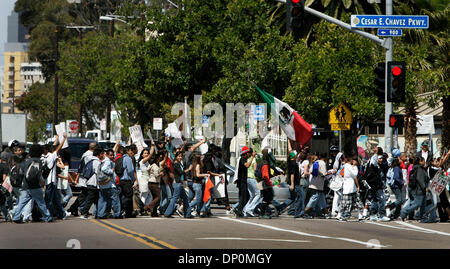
16	53
31	73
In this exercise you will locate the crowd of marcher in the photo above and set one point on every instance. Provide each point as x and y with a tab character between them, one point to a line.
163	180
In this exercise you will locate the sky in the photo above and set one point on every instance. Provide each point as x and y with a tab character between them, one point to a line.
6	6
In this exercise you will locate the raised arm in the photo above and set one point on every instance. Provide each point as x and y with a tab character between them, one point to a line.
194	147
116	146
61	144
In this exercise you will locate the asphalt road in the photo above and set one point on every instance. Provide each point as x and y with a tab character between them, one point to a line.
223	232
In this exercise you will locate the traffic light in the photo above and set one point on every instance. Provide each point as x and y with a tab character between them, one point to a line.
396	121
294	15
380	72
396	81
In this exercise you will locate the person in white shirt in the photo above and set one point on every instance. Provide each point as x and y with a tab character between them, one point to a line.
142	172
350	190
316	186
53	199
92	183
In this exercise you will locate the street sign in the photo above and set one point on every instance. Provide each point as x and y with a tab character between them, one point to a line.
390	32
340	118
259	113
49	127
389	21
157	124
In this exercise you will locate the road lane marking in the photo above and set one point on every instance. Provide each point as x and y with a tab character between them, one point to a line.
394	227
302	233
423	229
143	238
254	239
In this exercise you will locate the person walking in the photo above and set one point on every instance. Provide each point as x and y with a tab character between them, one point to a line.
255	194
178	189
316	185
33	183
241	182
397	188
106	184
197	178
128	181
90	173
155	174
143	167
267	186
417	185
350	190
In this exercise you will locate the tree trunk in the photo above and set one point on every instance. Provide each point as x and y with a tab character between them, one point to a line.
410	130
446	122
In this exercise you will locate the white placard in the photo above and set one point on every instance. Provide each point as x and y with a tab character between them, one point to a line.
137	137
439	182
157	124
425	124
218	191
60	130
149	134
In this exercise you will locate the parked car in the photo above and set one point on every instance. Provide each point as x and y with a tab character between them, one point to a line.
281	190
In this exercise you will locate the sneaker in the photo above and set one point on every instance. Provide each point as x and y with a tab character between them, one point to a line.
194	213
385	219
373	218
228	212
84	216
68	214
179	213
361	218
251	214
342	219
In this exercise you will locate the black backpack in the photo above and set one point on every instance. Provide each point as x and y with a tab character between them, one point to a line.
88	170
46	170
16	175
119	169
258	172
33	173
412	179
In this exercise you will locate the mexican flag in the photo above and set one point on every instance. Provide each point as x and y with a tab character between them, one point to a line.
292	124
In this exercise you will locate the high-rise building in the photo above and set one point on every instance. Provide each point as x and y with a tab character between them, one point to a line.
16	53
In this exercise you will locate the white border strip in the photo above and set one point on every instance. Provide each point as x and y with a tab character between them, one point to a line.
254	239
422	229
367	244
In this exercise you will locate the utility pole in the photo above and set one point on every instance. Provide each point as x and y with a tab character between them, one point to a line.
388	105
55	99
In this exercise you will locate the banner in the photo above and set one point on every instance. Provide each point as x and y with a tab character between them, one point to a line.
172	131
219	188
439	182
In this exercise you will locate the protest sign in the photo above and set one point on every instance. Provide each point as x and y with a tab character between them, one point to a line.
137	137
60	130
439	182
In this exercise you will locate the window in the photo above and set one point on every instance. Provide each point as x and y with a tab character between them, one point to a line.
373	129
380	128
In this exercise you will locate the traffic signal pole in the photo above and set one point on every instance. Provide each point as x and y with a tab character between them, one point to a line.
386	43
388	131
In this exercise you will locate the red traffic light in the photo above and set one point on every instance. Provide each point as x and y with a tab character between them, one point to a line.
392	121
396	71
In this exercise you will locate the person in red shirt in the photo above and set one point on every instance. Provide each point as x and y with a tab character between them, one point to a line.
267	191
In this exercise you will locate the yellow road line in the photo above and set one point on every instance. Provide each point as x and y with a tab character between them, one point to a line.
137	236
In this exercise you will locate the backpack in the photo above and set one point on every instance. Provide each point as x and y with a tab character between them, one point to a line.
88	170
102	178
258	172
315	171
33	173
16	175
45	170
119	169
390	177
413	179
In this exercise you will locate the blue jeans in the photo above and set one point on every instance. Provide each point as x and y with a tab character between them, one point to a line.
317	199
178	192
397	205
53	201
255	196
191	194
412	205
67	195
116	202
430	210
32	194
378	203
105	202
198	199
298	202
166	196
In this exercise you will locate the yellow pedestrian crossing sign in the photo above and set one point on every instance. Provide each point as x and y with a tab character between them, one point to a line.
340	118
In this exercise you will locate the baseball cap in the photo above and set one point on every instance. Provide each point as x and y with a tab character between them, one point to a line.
245	150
